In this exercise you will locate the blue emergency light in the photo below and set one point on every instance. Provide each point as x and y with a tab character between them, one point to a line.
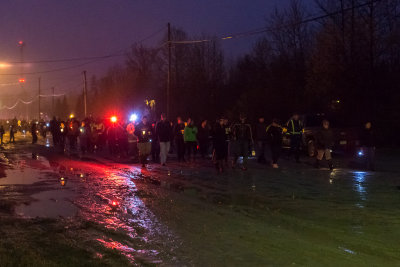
133	117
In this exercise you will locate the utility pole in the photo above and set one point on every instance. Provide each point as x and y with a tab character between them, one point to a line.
84	92
39	101
169	71
21	45
52	104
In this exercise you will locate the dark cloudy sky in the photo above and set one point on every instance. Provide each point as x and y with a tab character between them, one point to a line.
55	29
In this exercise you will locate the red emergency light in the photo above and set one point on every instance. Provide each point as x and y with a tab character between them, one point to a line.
113	119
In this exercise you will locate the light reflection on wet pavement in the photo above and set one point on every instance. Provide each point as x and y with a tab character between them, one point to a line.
92	192
188	215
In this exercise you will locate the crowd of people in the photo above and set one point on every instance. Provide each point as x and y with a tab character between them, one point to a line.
222	141
234	140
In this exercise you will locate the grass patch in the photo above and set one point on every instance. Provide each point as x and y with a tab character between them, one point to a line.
47	242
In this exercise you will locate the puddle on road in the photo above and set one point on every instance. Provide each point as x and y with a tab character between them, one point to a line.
49	204
25	170
21	176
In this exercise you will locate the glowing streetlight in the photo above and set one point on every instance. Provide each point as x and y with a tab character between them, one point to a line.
4	65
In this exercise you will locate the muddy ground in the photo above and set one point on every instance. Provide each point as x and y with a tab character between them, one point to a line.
71	210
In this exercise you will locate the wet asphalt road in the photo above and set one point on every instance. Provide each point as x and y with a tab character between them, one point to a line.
186	214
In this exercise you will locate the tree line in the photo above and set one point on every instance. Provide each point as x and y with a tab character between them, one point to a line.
345	60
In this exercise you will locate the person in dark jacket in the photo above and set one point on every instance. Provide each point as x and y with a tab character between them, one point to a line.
34	132
368	143
2	132
63	130
155	145
144	133
12	133
243	139
73	133
261	138
54	129
324	144
163	134
178	137
228	134
203	136
219	144
295	130
274	137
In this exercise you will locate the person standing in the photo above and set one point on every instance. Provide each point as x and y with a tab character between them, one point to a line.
144	134
324	144
179	141
261	137
219	145
274	136
243	139
12	132
63	130
34	132
2	132
203	138
54	129
84	137
228	134
295	132
73	133
163	134
368	143
155	145
190	138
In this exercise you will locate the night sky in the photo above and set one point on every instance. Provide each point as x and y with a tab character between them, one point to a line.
57	29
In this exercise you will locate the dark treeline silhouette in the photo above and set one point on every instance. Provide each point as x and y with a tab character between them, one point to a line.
347	62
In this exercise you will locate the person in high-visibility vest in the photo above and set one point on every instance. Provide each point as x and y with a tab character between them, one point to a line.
190	138
178	132
295	130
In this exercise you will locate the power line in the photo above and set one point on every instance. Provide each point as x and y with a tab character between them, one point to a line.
63	59
119	53
116	54
19	100
55	70
273	29
8	84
